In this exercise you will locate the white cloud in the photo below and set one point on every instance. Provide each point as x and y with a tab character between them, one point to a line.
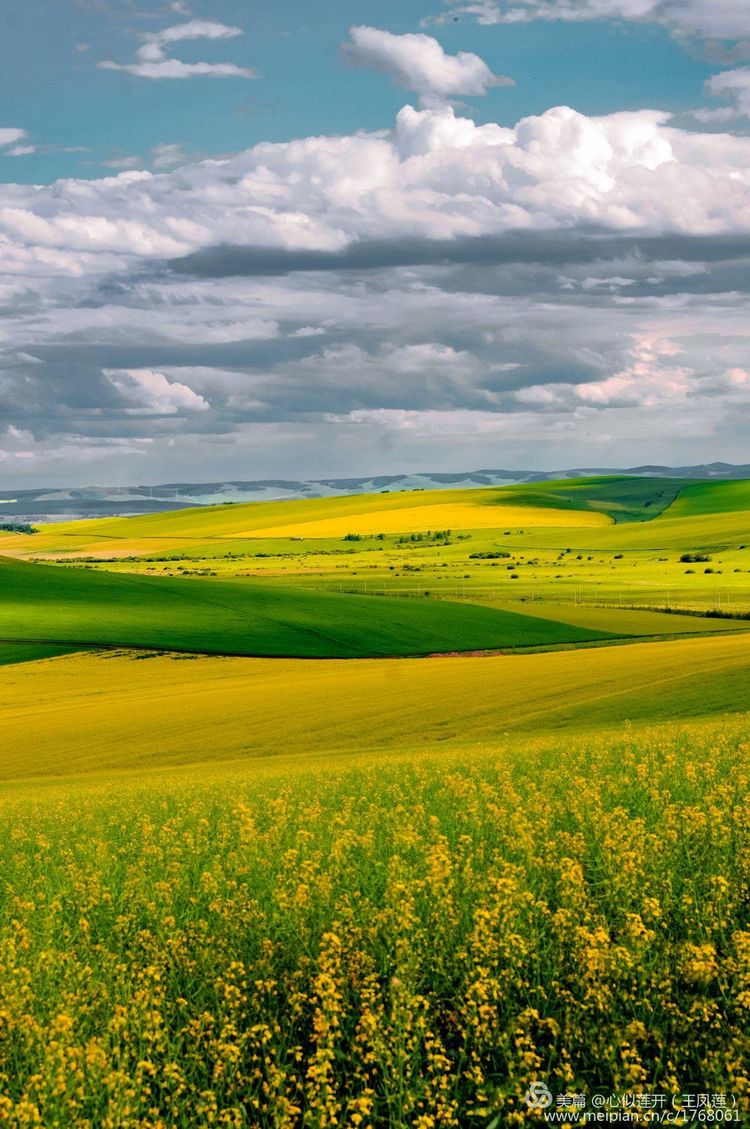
453	424
418	62
732	85
10	136
152	60
657	376
192	29
706	19
436	175
455	349
154	394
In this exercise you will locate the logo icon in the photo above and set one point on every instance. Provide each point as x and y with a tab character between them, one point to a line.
538	1096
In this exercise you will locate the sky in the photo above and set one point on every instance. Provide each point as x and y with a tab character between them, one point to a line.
242	241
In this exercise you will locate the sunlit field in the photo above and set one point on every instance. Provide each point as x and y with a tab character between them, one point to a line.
115	710
376	811
405	940
596	542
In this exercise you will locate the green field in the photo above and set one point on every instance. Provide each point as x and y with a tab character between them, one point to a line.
41	603
613	541
701	498
371	812
622	499
11	653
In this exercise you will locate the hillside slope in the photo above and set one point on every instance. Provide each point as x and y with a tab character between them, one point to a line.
46	603
94	713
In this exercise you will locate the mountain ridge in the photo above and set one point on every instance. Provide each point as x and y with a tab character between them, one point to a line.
51	503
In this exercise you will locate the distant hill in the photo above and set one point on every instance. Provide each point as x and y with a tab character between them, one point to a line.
50	503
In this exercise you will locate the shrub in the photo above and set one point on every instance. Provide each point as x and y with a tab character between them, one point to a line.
692	558
17	527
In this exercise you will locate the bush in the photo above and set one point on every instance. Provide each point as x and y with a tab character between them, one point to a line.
692	558
17	527
488	556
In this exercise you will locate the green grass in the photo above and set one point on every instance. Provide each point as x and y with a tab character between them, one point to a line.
405	941
46	603
12	653
713	498
623	498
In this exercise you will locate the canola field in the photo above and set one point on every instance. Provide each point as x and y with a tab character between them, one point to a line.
263	867
408	940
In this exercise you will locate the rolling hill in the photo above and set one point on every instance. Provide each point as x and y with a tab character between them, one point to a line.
606	512
52	605
46	503
96	713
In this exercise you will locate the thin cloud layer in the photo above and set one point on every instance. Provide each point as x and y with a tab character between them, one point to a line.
734	86
153	62
705	19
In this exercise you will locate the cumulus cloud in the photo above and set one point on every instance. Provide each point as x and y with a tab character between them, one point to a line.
154	394
705	19
337	303
418	62
435	176
659	373
153	61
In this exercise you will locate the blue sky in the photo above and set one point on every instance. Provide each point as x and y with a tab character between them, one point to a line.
248	241
51	86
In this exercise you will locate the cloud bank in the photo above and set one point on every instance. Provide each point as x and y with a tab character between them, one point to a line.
434	176
439	293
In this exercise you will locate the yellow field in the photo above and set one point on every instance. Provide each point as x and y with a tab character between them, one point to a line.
418	519
387	892
384	943
90	713
313	518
